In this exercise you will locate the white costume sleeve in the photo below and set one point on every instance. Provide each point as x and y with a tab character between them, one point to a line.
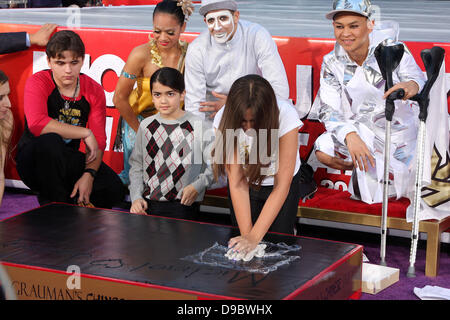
270	63
328	105
195	81
409	70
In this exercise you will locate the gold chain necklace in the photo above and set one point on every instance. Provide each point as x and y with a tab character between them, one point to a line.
156	56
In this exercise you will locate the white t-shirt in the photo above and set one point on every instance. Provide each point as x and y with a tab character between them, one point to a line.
288	121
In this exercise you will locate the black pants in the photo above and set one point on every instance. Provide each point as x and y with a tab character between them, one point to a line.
50	168
173	209
286	218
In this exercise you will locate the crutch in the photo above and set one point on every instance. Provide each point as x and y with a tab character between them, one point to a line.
432	60
388	59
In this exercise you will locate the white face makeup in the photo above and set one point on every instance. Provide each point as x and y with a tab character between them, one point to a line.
220	25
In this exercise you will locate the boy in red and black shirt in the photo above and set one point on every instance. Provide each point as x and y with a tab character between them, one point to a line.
63	107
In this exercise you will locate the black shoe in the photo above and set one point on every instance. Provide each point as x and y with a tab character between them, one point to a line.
308	186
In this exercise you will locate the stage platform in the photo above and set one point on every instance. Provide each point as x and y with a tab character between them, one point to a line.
125	256
420	20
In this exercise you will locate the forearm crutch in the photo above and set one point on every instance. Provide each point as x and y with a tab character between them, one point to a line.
388	58
432	60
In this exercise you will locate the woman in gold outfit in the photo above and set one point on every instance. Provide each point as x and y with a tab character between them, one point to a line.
165	49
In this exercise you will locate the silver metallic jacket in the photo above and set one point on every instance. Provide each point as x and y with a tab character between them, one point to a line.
350	96
350	100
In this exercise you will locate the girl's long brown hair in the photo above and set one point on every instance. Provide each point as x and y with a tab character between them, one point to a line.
249	92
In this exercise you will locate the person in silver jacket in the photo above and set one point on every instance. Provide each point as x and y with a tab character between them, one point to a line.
351	104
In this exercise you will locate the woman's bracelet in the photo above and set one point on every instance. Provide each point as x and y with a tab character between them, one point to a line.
128	75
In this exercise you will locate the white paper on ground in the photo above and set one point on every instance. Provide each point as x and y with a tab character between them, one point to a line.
432	293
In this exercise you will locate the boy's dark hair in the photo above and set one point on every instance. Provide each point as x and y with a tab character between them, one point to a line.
170	7
3	77
65	40
169	77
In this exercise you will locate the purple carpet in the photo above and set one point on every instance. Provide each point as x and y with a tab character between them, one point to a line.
14	203
397	251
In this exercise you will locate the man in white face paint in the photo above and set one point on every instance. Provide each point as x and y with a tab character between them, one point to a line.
228	50
221	24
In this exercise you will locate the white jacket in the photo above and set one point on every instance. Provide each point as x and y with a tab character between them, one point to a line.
211	66
351	95
350	99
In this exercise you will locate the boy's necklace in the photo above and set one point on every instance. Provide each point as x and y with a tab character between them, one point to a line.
67	102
